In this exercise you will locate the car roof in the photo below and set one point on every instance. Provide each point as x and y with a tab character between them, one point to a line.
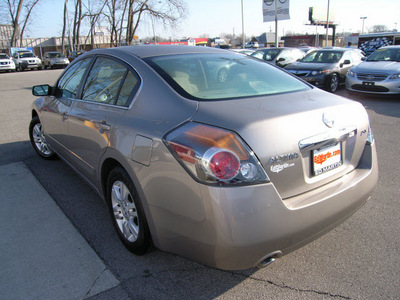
391	47
282	48
143	51
334	49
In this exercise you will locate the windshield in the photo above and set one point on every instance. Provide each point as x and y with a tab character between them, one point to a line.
267	55
222	76
26	54
55	55
385	54
3	56
326	57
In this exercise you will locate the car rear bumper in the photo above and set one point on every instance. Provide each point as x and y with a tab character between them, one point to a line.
244	224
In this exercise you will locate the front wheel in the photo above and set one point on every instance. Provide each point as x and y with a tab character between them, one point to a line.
127	212
333	83
38	140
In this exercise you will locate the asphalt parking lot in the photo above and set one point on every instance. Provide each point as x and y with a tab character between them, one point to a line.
357	260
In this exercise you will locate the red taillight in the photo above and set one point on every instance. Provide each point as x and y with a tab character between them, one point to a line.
224	165
214	155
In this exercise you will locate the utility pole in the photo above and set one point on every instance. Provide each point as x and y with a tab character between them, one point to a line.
327	26
362	28
243	39
276	24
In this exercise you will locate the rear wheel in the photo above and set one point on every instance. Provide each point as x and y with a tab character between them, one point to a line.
127	212
38	140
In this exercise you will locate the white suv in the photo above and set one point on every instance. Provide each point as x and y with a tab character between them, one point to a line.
26	60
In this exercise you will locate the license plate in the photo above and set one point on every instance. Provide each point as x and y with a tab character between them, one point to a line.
367	83
327	159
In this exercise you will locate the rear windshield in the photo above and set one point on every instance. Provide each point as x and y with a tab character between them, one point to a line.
270	54
222	76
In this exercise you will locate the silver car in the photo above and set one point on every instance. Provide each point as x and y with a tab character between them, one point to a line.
55	59
232	174
378	74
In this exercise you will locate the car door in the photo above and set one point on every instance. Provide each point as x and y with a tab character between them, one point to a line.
54	114
106	94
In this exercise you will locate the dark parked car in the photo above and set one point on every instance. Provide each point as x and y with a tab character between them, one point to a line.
75	54
279	56
231	173
326	68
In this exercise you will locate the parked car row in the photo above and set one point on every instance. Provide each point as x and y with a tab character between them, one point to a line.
330	67
27	60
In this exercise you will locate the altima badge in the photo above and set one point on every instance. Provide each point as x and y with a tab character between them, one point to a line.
278	168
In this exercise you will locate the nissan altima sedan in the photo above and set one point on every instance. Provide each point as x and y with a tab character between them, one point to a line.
378	74
232	174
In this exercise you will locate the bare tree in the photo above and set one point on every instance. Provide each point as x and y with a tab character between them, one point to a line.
124	16
379	28
28	9
65	22
15	12
18	13
77	23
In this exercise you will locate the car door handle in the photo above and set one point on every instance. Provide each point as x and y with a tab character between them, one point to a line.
103	126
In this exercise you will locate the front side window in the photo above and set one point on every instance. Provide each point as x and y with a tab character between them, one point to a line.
68	85
323	57
109	82
223	76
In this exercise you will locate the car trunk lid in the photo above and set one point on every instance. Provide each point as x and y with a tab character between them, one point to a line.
303	140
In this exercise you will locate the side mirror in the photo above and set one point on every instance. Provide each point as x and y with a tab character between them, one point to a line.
347	62
281	59
41	90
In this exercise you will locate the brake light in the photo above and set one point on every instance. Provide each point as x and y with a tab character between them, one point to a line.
214	155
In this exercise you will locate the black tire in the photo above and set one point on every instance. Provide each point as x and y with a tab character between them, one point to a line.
127	212
38	140
332	83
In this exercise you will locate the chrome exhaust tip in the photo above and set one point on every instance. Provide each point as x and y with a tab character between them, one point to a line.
269	259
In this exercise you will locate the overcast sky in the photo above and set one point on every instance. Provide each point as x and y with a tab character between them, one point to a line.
214	17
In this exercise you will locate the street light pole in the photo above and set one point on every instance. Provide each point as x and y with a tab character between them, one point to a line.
327	26
243	38
363	19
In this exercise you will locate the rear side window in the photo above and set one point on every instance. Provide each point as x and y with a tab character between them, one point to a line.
109	82
223	76
68	85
